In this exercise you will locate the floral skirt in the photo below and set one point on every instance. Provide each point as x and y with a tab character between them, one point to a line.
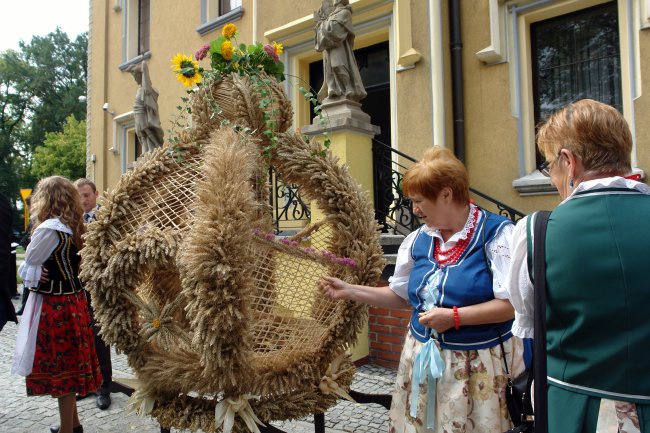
65	360
470	395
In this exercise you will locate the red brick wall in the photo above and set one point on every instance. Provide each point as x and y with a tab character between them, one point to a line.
387	330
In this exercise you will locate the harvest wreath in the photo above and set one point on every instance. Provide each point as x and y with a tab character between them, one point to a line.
223	326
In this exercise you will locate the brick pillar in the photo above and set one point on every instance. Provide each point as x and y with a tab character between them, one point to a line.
387	331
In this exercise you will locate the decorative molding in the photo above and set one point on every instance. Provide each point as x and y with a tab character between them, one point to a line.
302	30
534	183
134	61
496	52
224	19
407	56
645	14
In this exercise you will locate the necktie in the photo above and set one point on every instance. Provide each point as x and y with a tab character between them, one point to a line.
87	217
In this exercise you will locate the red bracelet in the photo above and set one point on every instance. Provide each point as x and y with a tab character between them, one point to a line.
456	319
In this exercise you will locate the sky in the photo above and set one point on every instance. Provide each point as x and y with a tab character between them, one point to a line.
22	19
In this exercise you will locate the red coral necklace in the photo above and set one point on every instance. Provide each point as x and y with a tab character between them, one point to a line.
452	255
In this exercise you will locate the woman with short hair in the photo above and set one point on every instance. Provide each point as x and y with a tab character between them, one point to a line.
451	273
596	270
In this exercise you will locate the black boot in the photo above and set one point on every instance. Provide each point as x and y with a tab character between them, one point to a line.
78	429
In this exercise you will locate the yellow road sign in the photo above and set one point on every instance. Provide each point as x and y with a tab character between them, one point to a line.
25	192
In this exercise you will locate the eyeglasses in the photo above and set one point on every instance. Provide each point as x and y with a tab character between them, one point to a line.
545	168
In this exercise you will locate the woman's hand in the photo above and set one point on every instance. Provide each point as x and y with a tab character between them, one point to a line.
333	288
440	319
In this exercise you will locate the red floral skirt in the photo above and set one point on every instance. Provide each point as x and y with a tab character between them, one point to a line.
65	360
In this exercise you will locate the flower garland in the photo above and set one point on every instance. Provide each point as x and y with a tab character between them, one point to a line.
309	252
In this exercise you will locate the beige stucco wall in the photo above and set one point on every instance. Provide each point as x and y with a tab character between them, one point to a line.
642	105
490	128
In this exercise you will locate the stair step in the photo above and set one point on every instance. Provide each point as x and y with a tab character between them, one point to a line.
390	239
391	259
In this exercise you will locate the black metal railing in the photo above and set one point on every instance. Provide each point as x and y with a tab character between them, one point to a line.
393	210
290	212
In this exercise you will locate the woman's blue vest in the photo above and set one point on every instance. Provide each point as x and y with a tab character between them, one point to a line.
466	282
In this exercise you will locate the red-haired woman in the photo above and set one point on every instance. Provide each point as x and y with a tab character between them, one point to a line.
55	347
451	272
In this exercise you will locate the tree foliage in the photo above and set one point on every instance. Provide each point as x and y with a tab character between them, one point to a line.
40	86
62	153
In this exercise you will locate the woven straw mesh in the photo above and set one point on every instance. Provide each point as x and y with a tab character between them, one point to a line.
298	320
289	315
169	204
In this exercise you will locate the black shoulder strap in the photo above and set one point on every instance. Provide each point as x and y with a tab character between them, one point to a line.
539	351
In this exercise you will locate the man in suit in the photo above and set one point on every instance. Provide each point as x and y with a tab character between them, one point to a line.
89	194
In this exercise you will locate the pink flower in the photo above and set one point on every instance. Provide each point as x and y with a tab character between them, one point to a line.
269	236
202	52
271	52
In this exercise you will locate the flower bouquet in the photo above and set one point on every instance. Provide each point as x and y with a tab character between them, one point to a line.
241	86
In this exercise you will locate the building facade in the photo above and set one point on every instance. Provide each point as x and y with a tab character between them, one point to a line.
475	76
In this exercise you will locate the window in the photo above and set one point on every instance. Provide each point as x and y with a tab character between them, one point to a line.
216	13
125	141
558	52
136	32
144	20
576	56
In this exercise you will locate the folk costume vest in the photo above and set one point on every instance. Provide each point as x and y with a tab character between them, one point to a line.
466	282
63	268
598	290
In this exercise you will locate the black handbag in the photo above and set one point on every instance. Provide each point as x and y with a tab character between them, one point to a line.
518	391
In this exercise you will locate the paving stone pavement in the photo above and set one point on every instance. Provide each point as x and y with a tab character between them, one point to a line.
22	414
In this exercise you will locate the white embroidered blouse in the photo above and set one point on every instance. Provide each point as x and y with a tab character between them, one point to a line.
44	241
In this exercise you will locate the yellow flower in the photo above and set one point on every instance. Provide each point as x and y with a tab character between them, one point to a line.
229	30
227	50
186	69
278	48
156	323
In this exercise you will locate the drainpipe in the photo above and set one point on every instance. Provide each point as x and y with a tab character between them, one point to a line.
457	79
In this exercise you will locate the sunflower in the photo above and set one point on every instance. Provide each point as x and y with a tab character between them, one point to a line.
278	48
229	30
226	50
186	69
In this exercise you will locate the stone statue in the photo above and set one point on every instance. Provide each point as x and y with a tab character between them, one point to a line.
145	110
335	39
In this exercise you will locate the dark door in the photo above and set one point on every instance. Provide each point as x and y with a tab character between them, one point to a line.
373	63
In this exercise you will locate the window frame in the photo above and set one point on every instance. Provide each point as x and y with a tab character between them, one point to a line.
131	34
210	22
124	140
510	41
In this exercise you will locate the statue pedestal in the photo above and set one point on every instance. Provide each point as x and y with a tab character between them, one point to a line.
351	136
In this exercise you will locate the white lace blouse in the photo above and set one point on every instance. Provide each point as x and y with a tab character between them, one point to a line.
518	284
44	241
498	252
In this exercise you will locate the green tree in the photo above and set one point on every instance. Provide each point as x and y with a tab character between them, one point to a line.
62	153
40	86
62	75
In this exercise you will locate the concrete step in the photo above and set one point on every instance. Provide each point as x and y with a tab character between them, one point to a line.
390	239
391	259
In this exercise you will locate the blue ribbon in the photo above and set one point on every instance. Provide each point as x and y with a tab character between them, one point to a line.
428	365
